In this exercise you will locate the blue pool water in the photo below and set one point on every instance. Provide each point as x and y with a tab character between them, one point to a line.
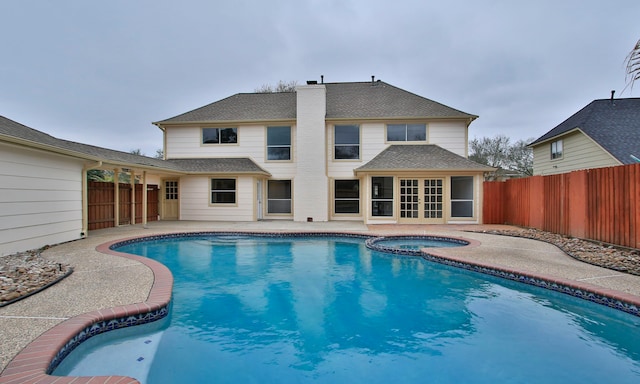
329	310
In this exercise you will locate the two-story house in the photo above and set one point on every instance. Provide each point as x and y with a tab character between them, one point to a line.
604	133
365	151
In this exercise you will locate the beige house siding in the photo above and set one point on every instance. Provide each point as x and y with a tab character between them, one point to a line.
40	199
195	197
451	136
579	152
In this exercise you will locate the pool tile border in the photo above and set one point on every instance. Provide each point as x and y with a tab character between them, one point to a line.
38	359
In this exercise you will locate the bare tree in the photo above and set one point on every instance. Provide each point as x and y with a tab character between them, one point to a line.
633	65
282	86
498	152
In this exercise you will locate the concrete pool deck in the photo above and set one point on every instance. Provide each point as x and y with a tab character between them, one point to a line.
101	281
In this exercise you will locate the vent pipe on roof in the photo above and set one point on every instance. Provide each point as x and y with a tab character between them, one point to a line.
373	80
613	91
321	79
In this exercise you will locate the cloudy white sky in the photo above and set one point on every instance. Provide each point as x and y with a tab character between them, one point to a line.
99	72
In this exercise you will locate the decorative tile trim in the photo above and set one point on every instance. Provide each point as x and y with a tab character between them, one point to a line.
572	288
105	326
372	243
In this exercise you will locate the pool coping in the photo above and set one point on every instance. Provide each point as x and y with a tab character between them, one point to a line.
34	363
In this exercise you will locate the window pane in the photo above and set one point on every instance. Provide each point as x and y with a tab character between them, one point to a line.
228	135
278	136
347	152
347	189
210	136
382	208
396	132
223	184
416	132
347	206
347	134
279	153
462	208
462	187
382	187
223	197
279	206
279	189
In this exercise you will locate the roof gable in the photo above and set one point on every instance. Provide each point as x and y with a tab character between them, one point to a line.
420	157
359	100
612	123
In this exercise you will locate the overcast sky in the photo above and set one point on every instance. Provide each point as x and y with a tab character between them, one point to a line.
99	72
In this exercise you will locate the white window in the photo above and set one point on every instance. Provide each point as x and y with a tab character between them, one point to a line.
219	135
461	196
382	196
223	191
346	142
406	132
347	196
556	149
278	143
279	196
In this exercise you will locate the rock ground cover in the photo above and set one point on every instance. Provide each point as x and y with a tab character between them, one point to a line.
24	273
27	272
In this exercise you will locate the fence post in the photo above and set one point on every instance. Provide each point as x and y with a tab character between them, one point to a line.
536	202
577	201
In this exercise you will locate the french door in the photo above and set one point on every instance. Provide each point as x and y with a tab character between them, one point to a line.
421	201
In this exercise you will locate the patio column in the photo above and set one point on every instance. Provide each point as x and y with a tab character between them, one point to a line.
116	197
144	199
133	197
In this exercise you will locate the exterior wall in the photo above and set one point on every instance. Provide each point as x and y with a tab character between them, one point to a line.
579	152
451	136
195	194
40	199
310	187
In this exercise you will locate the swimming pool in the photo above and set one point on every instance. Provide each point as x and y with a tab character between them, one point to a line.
328	309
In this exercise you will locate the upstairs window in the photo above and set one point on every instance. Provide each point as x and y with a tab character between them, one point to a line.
556	149
219	135
406	132
346	142
278	143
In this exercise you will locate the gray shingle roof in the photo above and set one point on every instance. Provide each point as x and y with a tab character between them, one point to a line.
382	100
233	165
420	157
243	107
613	124
13	129
361	100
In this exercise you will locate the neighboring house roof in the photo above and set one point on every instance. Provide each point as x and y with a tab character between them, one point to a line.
612	123
17	132
420	158
361	100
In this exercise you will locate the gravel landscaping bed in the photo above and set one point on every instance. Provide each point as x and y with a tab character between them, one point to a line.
26	273
596	253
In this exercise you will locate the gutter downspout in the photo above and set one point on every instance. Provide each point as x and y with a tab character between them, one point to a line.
85	198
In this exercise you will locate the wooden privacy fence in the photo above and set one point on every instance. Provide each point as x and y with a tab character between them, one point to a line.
102	202
600	204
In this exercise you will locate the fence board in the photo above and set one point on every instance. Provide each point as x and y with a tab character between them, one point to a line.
101	203
601	204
